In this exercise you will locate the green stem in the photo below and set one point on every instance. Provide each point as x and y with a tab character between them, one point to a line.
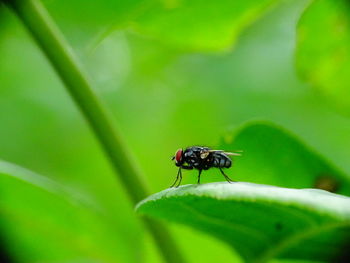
49	38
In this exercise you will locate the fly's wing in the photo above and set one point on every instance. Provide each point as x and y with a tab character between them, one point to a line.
227	153
232	153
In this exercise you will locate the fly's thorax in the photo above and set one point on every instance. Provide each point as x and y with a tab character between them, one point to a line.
192	156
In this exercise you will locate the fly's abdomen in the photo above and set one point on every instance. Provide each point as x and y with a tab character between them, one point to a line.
221	160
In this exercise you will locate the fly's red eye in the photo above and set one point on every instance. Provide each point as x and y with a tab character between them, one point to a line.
178	155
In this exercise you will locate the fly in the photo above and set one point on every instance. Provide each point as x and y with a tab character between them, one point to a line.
201	158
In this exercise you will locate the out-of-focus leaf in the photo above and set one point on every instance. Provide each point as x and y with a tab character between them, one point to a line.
42	217
184	24
323	50
272	155
199	24
94	15
261	222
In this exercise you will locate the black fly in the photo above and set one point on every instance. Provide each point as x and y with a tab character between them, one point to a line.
201	158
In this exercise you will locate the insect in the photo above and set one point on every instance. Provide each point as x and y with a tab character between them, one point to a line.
201	158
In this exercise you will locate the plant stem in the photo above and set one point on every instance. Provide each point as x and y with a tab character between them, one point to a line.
51	41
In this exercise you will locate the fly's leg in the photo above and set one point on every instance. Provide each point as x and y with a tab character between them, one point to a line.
177	177
180	173
228	179
199	177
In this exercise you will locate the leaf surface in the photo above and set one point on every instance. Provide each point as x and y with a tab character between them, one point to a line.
259	221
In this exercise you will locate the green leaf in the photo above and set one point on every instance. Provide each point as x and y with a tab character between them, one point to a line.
198	25
272	155
259	221
323	51
41	216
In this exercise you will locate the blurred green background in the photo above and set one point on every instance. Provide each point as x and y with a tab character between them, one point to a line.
163	96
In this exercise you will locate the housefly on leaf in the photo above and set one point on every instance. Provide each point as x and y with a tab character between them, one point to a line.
201	158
